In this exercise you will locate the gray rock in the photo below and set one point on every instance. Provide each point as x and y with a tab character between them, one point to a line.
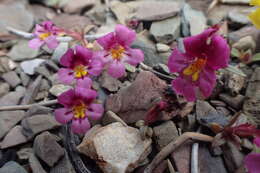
4	89
129	152
25	78
38	123
110	83
12	98
162	48
20	19
245	2
6	64
8	119
63	166
35	164
24	153
59	51
12	167
167	30
11	78
161	134
47	149
29	66
77	6
21	51
193	21
14	137
237	20
56	90
203	108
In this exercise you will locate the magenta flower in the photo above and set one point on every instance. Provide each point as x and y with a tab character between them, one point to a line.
257	141
79	105
204	54
252	162
117	50
45	33
80	63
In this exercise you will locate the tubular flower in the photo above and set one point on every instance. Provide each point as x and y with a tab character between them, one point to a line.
204	54
117	50
79	105
79	64
45	33
255	15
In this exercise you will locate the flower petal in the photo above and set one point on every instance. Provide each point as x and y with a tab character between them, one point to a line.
65	75
86	94
254	17
257	141
218	53
255	2
96	67
116	69
67	59
252	161
51	42
63	115
107	41
83	53
207	81
80	126
124	35
135	56
67	98
84	83
177	61
185	88
35	43
96	112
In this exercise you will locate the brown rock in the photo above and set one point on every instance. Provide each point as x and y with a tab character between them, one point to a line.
13	138
8	119
116	148
161	134
47	149
11	78
131	103
110	83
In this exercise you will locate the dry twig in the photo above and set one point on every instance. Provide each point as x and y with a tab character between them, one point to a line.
175	144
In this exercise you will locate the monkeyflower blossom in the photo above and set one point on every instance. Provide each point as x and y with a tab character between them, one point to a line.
45	33
117	50
252	160
80	63
204	54
79	105
255	15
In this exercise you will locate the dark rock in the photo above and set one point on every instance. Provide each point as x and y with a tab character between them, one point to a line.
161	134
253	88
47	149
237	20
131	103
11	78
14	137
203	108
8	119
38	123
251	108
235	102
12	167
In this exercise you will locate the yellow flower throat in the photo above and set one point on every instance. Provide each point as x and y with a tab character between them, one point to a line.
117	52
43	36
195	68
79	111
80	71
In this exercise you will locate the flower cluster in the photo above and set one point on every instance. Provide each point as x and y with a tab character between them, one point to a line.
80	65
254	16
204	54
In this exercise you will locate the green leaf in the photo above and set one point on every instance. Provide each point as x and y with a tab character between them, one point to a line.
235	52
236	70
256	58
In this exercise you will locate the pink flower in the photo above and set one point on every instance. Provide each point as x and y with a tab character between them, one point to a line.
79	105
204	54
257	141
117	50
252	162
45	33
80	63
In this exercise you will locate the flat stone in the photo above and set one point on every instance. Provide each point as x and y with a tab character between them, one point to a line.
24	153
131	103
56	90
4	88
161	48
47	149
243	32
193	21
161	134
235	102
203	108
12	167
245	43
12	98
59	51
6	64
11	78
166	31
14	137
77	6
109	83
148	10
21	51
35	164
8	119
122	11
29	66
20	19
38	123
41	13
129	152
63	166
24	78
